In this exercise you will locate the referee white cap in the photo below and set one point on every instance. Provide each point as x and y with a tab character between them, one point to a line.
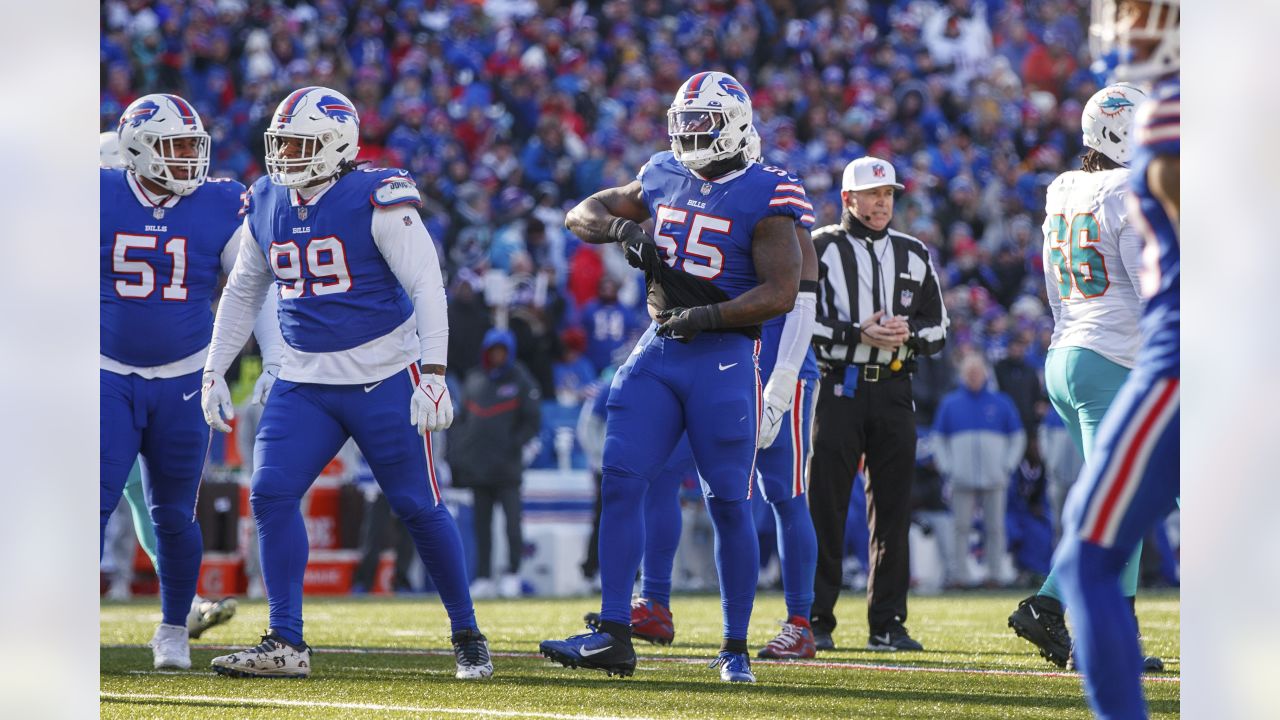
868	172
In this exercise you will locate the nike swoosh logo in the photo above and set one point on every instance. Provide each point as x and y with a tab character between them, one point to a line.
726	367
188	396
884	639
584	652
369	388
1034	614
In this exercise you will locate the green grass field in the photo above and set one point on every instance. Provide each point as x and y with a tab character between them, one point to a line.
389	658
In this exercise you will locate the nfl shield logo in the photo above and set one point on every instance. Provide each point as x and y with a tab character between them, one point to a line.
706	188
158	213
906	298
877	170
302	213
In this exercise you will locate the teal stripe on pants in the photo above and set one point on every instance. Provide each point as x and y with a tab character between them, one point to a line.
1081	385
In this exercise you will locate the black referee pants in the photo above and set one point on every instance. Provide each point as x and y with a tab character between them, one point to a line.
879	420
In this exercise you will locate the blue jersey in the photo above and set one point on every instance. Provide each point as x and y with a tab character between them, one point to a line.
159	269
336	290
704	227
1156	130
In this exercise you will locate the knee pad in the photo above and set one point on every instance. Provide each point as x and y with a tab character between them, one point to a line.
171	520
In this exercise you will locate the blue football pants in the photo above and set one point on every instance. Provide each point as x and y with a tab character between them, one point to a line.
160	419
303	426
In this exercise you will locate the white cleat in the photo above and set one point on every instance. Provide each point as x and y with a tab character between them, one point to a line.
272	658
509	586
169	647
483	589
208	613
471	651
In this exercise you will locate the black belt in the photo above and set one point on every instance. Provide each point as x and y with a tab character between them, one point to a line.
875	373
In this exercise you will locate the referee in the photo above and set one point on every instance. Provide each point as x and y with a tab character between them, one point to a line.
879	306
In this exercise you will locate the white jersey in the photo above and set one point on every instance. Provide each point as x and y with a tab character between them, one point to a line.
1092	255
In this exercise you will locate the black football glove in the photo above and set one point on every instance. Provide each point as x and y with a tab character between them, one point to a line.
637	246
684	324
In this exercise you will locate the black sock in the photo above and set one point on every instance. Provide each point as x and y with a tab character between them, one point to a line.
617	630
734	646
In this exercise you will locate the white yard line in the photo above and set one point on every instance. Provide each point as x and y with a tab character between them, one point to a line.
877	667
423	709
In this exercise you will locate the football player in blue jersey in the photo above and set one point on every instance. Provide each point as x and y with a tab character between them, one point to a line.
723	259
1134	482
362	310
167	231
791	373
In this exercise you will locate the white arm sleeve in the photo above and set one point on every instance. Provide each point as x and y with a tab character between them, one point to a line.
266	329
797	332
411	255
242	299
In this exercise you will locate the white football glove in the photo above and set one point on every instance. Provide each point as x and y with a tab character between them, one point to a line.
431	409
778	394
262	388
215	398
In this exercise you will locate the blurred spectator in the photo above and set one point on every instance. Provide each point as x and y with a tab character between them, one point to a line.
497	414
608	324
1016	378
978	442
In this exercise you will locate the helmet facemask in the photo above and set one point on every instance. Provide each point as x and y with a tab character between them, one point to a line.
317	159
166	164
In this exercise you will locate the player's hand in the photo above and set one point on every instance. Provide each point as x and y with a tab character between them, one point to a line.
778	394
215	400
431	409
262	388
684	324
637	246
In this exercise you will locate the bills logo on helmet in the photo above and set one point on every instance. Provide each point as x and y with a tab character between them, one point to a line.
1114	104
336	109
734	89
144	112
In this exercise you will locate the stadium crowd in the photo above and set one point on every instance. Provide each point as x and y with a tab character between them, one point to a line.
508	111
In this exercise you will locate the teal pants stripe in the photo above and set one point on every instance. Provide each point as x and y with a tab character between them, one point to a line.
142	525
1081	385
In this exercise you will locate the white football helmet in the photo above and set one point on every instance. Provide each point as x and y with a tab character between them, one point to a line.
1107	121
328	128
1115	41
109	151
150	131
709	119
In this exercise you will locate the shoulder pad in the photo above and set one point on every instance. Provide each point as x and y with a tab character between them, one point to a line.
833	229
396	190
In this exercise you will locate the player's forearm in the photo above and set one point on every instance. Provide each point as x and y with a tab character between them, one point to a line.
760	303
237	313
266	330
590	221
797	330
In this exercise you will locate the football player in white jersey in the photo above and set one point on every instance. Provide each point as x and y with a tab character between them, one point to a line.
1092	255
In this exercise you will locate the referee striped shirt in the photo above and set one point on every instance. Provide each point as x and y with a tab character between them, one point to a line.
859	274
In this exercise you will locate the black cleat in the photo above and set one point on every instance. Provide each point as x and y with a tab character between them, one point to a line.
1039	621
893	639
822	640
597	650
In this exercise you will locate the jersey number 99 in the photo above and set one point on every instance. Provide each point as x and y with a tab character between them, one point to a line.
326	266
1074	254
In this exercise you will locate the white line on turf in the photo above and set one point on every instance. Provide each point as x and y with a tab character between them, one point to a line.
423	709
877	667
